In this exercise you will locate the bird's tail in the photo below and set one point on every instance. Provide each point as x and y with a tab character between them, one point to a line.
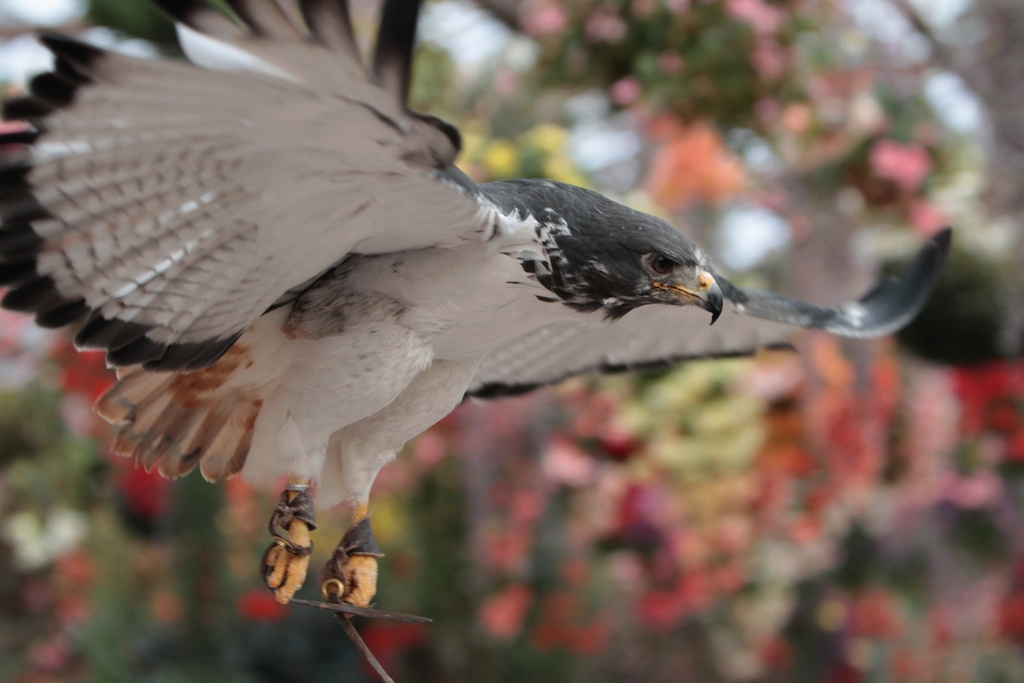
166	420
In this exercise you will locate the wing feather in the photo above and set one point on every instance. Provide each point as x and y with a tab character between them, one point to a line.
392	58
654	336
330	23
175	205
888	306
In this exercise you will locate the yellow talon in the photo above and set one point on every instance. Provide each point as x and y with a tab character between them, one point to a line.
350	576
273	560
286	561
361	577
294	568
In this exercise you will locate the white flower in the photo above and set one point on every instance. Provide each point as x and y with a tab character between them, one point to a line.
36	544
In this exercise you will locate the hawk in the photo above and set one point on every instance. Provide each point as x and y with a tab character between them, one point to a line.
293	279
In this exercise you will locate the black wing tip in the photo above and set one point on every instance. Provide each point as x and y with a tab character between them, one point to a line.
396	35
34	294
16	272
142	350
943	239
893	302
18	242
101	333
71	49
450	131
19	137
190	356
180	10
63	315
53	89
501	390
27	108
926	267
126	343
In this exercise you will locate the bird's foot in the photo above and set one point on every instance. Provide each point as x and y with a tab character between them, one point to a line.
285	562
350	576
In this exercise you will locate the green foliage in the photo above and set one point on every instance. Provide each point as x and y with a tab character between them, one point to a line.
960	325
138	18
45	464
697	63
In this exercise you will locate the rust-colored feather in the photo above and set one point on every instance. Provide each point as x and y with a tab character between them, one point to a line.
174	421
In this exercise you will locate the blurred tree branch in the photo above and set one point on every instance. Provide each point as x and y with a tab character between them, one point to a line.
941	53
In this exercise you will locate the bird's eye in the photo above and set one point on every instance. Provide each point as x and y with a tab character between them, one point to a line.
661	264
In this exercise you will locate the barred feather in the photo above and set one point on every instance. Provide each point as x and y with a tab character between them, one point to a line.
177	205
174	421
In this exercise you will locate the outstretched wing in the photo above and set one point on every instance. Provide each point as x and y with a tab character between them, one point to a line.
655	336
175	204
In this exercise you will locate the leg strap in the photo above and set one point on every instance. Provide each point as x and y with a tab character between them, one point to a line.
295	503
358	540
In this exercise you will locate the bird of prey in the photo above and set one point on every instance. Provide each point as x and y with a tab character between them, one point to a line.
293	279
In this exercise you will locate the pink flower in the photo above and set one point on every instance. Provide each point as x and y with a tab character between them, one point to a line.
670	62
544	19
769	59
905	165
625	92
565	463
927	218
7	127
643	9
976	491
604	25
677	7
763	18
506	81
767	110
429	449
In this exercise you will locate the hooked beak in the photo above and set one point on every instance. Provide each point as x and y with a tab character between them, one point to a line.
707	294
712	301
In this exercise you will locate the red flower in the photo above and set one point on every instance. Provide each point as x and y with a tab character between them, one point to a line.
559	627
619	442
845	673
776	653
502	614
1011	617
980	386
1015	448
145	494
259	605
663	609
388	639
874	616
81	372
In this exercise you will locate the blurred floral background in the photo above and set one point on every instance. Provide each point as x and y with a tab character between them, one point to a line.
851	512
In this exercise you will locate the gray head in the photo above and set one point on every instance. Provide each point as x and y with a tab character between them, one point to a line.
605	256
